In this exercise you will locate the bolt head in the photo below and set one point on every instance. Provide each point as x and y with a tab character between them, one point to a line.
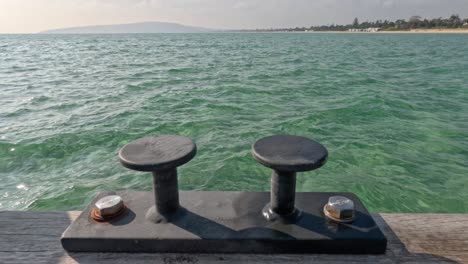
339	208
109	205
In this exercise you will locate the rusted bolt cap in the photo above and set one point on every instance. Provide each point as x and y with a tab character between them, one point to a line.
108	207
339	209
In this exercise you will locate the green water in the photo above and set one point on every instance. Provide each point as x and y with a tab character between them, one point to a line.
391	109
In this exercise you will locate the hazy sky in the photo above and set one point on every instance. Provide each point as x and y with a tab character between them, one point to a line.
26	16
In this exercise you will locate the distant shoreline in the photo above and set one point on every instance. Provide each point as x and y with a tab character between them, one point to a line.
412	31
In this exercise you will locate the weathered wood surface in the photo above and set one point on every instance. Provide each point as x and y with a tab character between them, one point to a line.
33	237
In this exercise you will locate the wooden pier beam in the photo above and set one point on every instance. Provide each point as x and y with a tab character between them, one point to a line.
34	237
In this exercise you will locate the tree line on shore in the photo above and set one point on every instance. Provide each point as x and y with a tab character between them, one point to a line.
414	22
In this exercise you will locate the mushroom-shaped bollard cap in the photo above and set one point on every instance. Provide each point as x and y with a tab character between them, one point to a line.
159	153
289	153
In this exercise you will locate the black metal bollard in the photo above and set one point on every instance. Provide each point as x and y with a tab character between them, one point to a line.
286	155
225	222
160	155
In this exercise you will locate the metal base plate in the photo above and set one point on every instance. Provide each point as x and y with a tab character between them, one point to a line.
226	222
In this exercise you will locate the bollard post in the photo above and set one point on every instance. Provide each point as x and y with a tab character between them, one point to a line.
160	155
286	155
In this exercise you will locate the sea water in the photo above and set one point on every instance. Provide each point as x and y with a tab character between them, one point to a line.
392	109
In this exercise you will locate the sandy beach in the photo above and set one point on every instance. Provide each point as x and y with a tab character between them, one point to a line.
431	31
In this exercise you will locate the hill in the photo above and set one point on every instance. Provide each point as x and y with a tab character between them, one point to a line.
144	27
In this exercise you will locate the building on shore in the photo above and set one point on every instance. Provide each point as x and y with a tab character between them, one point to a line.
371	29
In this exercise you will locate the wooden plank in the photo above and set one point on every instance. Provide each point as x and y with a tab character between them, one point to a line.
33	237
